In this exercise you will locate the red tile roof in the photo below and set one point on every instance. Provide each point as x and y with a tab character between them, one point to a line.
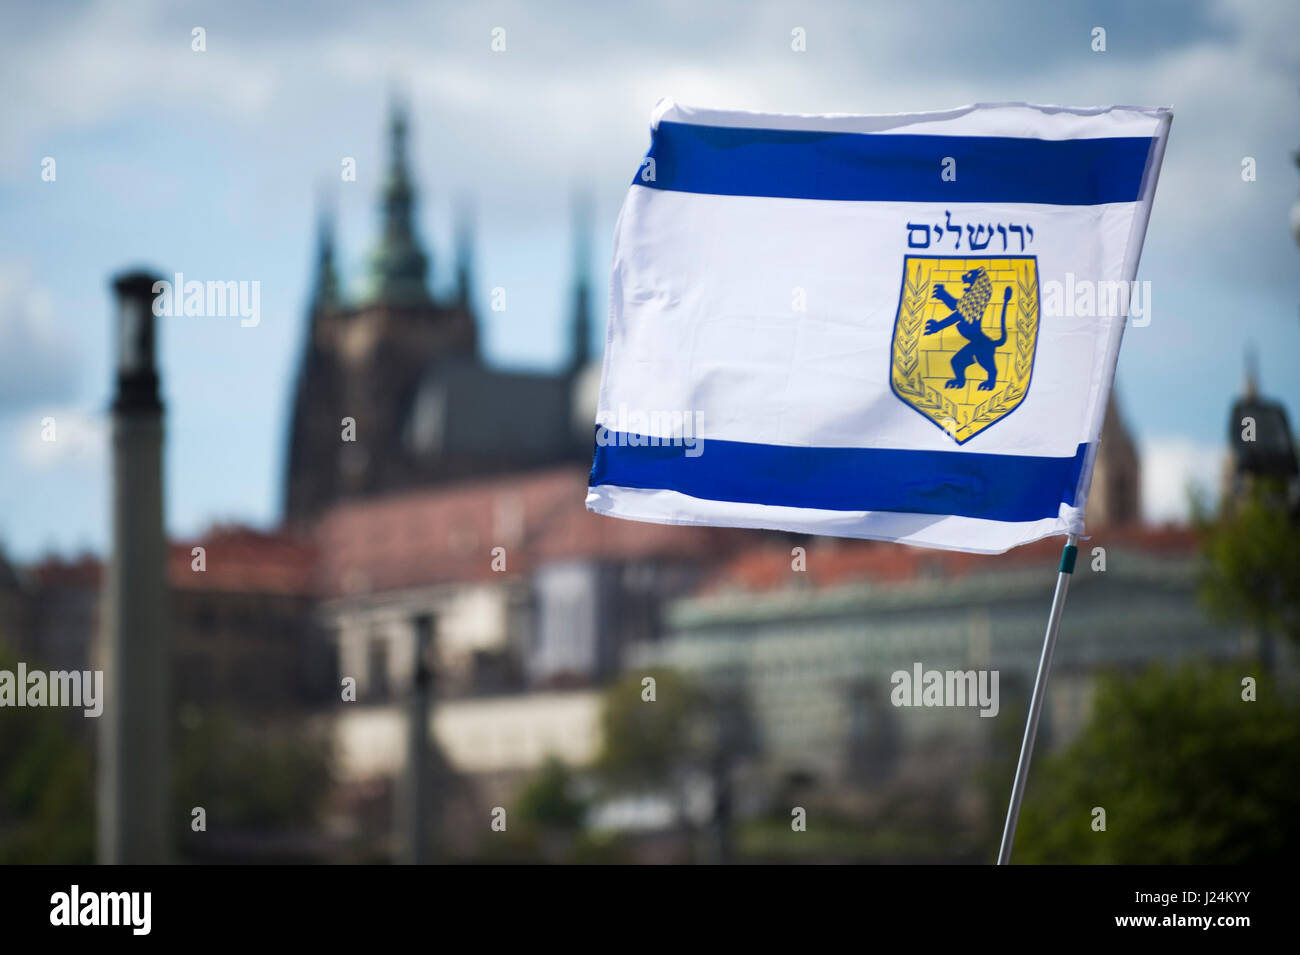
83	571
242	560
834	561
447	534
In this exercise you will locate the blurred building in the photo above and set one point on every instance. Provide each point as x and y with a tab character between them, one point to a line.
15	607
530	594
244	631
246	635
812	652
65	611
406	368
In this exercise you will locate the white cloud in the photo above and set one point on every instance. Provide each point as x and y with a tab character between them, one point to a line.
79	440
1173	467
38	361
93	66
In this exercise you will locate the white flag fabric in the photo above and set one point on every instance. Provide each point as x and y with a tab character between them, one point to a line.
899	327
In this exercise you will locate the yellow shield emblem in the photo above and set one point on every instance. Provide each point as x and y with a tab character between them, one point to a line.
965	338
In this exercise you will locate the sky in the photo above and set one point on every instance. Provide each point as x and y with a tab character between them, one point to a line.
212	164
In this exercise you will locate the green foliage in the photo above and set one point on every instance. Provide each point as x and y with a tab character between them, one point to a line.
645	743
1186	770
547	801
1253	573
547	825
47	790
247	776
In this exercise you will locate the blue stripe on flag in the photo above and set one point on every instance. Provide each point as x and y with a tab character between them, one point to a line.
880	167
997	487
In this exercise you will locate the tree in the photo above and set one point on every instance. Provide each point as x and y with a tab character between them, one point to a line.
1253	570
548	803
256	778
47	806
647	743
1186	771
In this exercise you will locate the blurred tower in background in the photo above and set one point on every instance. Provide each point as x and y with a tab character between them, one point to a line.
1116	495
404	365
399	265
1259	441
580	323
133	767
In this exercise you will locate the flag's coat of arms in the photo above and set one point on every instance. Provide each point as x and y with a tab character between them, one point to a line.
964	339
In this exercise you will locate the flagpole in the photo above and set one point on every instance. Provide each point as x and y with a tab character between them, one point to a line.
1068	555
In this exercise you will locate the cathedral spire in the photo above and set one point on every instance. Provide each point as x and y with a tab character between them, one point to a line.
580	329
399	265
325	293
464	254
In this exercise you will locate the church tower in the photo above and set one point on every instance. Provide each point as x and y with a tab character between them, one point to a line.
311	466
363	360
1116	495
464	256
399	266
392	392
580	323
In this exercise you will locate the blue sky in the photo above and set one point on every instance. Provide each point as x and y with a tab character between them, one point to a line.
210	164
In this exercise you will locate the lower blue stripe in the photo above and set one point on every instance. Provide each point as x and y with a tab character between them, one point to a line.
879	167
997	487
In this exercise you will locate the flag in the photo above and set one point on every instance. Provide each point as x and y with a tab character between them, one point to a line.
900	327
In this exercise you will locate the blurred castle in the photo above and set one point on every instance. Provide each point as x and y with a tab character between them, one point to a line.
408	371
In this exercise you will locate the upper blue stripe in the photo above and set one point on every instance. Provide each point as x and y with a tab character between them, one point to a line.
997	487
880	167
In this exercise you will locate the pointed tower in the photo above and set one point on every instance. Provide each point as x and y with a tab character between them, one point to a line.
582	374
580	327
1116	496
399	266
325	291
464	255
311	468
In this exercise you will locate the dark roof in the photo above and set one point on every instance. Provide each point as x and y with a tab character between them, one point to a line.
462	408
1272	452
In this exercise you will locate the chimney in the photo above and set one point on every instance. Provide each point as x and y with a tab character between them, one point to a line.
415	808
134	810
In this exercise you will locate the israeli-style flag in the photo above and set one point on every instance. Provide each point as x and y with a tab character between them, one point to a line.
900	327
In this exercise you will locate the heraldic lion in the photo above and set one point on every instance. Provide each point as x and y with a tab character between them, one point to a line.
967	313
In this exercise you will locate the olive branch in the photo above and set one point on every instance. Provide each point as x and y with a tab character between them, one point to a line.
1026	332
907	377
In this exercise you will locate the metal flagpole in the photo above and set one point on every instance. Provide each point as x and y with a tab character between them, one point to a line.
1068	556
